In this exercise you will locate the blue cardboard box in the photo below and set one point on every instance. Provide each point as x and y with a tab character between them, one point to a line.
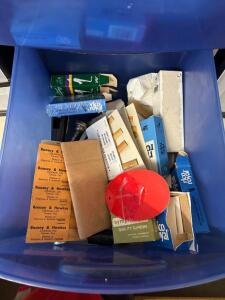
77	105
153	132
184	181
175	225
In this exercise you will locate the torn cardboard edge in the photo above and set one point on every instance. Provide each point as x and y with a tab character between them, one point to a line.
144	111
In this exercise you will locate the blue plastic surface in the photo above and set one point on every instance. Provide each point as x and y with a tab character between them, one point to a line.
106	269
183	180
114	26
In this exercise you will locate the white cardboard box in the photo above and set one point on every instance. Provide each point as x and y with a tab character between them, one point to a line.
101	131
129	155
168	103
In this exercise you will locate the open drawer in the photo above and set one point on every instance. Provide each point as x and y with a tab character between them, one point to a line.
93	268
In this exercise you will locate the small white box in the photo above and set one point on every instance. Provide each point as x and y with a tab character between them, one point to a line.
101	131
168	103
129	155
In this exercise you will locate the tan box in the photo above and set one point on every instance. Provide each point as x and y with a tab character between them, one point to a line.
87	180
136	128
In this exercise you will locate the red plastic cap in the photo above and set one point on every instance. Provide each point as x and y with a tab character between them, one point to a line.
137	195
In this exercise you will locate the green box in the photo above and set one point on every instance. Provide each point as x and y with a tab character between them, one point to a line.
134	231
72	84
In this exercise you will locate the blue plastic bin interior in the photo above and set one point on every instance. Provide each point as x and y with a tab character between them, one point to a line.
114	26
106	269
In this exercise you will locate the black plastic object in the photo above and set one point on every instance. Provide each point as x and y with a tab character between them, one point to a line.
6	60
58	131
75	129
220	62
104	237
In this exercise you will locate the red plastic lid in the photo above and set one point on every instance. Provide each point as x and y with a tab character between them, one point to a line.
137	195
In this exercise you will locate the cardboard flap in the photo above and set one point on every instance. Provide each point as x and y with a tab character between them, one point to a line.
87	180
179	218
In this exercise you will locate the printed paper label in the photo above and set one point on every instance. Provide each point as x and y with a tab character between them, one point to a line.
150	146
51	217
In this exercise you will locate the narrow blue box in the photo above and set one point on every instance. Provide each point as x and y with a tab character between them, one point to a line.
77	105
184	181
153	132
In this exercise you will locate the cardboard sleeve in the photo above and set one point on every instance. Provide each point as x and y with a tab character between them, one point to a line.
87	180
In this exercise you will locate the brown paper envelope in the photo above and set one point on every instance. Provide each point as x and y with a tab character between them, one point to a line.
88	180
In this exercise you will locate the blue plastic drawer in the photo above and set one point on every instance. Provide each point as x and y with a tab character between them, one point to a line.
114	26
106	269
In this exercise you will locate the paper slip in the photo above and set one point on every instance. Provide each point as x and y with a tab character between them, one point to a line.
51	218
101	131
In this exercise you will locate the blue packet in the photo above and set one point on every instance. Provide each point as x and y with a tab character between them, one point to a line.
77	105
183	180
